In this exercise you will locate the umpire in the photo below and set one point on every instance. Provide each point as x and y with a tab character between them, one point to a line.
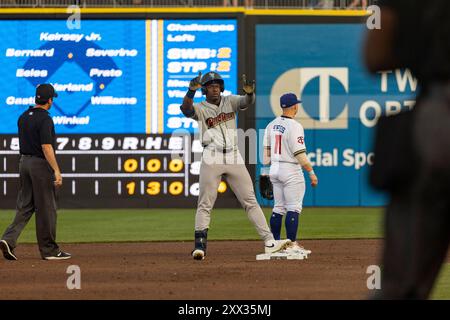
415	34
39	176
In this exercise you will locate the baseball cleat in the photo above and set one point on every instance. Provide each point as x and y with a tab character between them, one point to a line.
198	254
273	246
59	256
297	248
7	252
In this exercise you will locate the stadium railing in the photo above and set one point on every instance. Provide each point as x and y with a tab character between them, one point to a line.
257	4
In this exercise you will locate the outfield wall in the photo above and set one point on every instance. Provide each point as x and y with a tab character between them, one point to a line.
122	76
322	62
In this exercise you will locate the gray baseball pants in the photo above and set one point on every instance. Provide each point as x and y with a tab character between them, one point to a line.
231	165
36	194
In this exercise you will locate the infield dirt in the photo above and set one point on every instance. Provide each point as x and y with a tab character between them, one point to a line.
336	269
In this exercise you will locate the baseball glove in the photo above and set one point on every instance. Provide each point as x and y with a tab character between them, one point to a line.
265	187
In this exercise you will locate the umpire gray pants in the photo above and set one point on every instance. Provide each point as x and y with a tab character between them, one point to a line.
231	165
36	195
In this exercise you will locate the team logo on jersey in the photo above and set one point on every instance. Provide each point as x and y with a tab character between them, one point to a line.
223	117
295	80
301	140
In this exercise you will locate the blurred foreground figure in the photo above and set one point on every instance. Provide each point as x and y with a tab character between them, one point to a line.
413	148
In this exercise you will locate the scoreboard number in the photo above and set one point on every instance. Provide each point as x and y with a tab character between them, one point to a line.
222	187
116	168
153	188
153	165
85	143
15	144
176	188
176	165
130	165
62	142
224	52
131	188
108	143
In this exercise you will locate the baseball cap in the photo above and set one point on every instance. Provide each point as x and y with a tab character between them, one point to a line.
45	91
288	100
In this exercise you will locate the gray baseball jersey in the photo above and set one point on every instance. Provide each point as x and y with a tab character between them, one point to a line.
217	127
217	124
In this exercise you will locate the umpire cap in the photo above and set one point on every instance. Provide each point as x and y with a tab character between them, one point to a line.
212	77
44	92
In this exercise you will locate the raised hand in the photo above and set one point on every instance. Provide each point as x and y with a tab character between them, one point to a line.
195	84
248	86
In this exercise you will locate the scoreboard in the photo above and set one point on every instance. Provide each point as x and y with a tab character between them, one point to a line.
122	140
110	171
115	76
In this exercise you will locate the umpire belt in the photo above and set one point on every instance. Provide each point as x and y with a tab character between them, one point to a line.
30	156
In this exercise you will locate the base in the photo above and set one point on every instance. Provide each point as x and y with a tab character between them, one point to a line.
280	256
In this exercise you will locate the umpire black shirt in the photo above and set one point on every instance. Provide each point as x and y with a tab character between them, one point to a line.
422	39
35	128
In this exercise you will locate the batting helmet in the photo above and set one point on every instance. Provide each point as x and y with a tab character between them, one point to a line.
212	77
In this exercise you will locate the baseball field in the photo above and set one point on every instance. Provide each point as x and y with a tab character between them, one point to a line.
145	254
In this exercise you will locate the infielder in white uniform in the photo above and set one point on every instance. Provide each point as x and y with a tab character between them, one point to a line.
285	151
216	117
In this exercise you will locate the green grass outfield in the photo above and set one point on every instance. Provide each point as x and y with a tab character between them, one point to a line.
124	225
178	224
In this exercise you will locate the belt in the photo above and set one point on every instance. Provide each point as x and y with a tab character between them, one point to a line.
31	156
286	162
222	150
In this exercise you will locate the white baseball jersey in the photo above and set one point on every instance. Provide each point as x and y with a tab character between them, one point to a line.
217	124
286	139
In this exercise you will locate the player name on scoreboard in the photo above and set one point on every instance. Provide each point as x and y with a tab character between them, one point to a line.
117	170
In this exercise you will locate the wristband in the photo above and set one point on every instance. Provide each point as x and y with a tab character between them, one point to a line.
311	173
187	113
190	94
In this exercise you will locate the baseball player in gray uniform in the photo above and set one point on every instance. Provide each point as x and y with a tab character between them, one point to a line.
216	117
